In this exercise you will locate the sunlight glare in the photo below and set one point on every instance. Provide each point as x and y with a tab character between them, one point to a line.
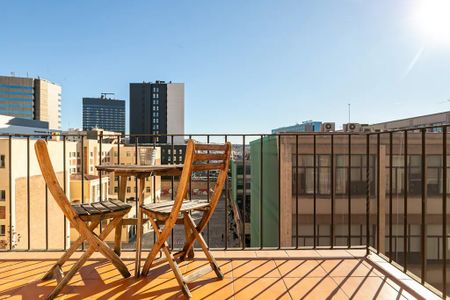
432	17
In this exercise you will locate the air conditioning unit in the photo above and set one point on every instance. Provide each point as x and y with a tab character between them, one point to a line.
327	127
366	128
352	127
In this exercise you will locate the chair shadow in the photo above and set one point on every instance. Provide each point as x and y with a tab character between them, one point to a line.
93	282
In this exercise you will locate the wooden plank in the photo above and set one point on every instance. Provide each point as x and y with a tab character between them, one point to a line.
166	209
90	209
120	204
80	210
132	221
197	274
101	207
134	169
206	167
206	157
213	147
110	205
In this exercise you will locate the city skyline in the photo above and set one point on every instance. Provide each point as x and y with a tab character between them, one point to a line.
308	57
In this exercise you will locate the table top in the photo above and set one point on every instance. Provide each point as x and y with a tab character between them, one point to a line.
142	169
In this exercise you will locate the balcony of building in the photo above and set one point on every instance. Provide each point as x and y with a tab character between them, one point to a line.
272	274
316	215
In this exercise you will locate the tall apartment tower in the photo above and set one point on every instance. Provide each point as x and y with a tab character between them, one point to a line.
31	98
157	108
104	113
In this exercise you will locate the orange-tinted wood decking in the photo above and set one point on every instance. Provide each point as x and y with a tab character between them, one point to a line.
291	274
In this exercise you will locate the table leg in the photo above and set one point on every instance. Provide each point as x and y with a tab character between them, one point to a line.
139	228
118	230
123	188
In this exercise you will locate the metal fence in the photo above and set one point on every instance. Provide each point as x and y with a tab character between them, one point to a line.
384	185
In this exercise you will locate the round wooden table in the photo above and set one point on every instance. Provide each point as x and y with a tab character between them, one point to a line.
141	172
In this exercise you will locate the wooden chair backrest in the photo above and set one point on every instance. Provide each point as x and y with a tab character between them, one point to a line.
52	182
203	157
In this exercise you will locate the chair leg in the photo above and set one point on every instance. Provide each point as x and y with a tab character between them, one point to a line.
65	280
154	251
68	253
107	251
189	244
204	246
99	245
187	234
176	270
173	265
118	238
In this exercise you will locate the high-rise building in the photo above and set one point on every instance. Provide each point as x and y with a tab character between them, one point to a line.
104	113
31	98
157	108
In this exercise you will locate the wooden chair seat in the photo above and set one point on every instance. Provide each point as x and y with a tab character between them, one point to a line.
100	210
165	208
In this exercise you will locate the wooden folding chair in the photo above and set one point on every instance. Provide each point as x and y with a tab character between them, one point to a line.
199	157
79	215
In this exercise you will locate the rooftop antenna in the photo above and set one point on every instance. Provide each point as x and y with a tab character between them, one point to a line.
349	106
103	95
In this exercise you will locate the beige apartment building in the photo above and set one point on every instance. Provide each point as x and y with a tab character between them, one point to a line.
35	219
92	187
33	215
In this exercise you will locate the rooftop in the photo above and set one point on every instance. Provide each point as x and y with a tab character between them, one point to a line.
278	274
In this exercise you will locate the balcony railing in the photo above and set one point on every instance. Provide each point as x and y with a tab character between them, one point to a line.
385	192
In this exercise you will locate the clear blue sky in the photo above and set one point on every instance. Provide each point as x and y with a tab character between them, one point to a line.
248	66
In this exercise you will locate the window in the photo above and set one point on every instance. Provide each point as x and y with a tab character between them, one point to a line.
2	195
2	161
128	190
116	189
147	189
2	230
303	177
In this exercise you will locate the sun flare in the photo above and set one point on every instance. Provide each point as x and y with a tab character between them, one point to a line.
432	17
